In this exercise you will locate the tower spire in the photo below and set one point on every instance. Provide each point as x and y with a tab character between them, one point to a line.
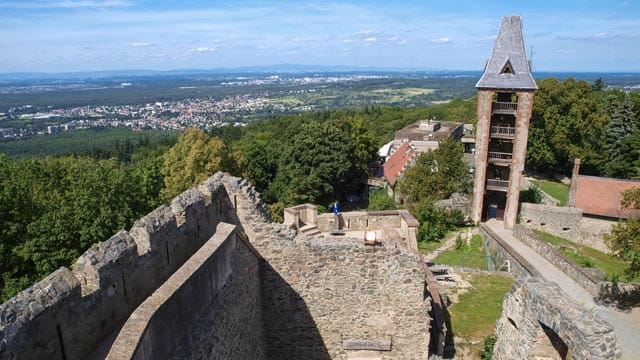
508	54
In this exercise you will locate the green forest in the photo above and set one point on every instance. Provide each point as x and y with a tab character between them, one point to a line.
59	196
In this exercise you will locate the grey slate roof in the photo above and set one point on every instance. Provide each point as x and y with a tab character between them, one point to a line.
509	47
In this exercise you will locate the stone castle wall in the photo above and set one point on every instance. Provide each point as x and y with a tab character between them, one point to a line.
276	295
179	319
538	320
587	280
340	290
566	222
324	294
69	313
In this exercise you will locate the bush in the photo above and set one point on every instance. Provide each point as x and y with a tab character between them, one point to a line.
461	244
487	351
276	211
531	195
380	200
435	224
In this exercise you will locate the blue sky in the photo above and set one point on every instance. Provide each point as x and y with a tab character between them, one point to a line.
83	35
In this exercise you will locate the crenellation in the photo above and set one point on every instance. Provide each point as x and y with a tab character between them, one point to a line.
147	232
35	310
94	269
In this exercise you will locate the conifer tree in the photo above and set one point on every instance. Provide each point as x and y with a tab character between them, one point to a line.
620	135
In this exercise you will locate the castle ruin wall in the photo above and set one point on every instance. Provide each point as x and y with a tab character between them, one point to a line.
324	294
568	223
539	320
69	313
285	295
216	292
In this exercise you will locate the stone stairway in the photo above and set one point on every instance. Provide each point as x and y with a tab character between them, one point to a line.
310	230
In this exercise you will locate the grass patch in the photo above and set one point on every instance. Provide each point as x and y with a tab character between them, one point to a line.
425	247
471	256
556	189
474	315
589	257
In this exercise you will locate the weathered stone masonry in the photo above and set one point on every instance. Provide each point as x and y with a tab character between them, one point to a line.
281	295
538	321
68	314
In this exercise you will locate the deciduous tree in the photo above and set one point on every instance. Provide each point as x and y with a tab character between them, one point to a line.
624	239
194	158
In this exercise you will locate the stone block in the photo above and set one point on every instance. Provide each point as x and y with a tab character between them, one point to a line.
151	231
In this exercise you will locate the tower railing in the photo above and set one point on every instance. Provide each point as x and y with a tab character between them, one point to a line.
499	107
494	184
508	132
499	156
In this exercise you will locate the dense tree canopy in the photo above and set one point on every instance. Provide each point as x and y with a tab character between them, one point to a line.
53	209
567	122
195	157
436	174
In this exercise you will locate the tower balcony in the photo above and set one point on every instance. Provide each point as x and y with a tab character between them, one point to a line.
498	107
499	157
503	132
497	185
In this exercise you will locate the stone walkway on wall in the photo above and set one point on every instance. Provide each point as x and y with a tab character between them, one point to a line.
627	328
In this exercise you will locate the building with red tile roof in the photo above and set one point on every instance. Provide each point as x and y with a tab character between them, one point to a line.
397	163
600	196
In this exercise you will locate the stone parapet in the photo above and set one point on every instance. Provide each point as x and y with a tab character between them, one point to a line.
69	313
539	320
163	326
566	222
519	266
586	279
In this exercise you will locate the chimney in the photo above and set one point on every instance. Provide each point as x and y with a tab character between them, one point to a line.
571	197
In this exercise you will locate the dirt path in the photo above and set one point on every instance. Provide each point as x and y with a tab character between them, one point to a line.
450	241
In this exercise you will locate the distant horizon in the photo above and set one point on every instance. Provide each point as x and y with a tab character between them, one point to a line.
61	36
293	69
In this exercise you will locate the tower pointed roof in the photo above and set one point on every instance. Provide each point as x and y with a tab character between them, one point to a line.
508	67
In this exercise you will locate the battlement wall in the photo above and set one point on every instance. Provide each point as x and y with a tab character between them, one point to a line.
277	294
70	312
216	290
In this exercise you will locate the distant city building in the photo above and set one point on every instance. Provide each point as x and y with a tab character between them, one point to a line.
52	129
505	100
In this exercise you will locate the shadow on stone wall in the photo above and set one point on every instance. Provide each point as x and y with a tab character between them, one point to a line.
624	296
289	328
449	341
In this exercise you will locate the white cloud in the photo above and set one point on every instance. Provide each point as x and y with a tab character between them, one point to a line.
140	44
602	35
204	49
442	40
370	40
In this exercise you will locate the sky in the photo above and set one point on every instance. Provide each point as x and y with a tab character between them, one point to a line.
93	35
